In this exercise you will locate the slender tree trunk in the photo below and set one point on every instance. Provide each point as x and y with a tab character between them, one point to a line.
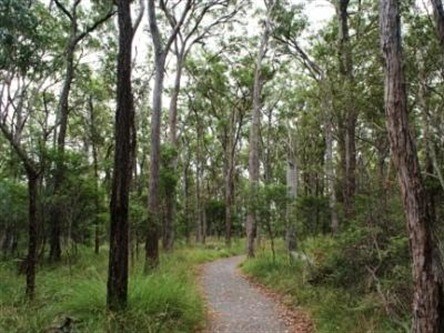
118	256
96	176
229	189
228	177
161	49
329	167
427	286
253	160
152	240
438	13
199	221
34	180
199	174
56	212
170	203
292	190
186	186
348	129
204	221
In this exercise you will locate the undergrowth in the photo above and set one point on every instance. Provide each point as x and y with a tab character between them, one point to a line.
333	307
166	300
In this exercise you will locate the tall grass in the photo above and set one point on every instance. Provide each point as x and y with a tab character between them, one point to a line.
332	309
166	300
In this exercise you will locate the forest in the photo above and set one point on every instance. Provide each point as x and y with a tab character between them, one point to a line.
156	155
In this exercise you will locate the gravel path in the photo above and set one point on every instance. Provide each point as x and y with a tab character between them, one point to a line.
235	305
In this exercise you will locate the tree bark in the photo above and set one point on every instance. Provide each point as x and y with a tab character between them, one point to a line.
229	151
329	167
152	238
75	37
161	50
348	149
253	159
292	190
168	237
118	257
35	224
93	138
56	213
34	173
199	166
438	13
427	286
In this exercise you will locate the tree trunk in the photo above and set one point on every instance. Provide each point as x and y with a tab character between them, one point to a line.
118	256
229	189
94	135
199	221
228	176
152	239
56	212
186	186
292	190
170	203
426	300
34	180
161	49
329	167
438	14
347	133
152	246
253	159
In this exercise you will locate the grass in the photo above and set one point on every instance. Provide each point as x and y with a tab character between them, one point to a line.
166	300
333	309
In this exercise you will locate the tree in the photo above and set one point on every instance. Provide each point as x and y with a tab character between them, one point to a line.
161	50
349	118
427	298
123	157
253	161
26	57
74	38
193	31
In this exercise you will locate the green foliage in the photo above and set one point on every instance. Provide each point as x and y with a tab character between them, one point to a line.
215	210
169	177
334	309
312	214
13	214
26	31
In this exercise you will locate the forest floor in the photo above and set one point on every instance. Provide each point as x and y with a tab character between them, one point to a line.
237	305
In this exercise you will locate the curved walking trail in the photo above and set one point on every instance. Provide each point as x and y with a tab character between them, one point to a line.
236	305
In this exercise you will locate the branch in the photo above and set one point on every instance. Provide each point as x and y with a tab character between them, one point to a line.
30	165
95	25
309	64
164	7
139	17
64	10
154	29
178	26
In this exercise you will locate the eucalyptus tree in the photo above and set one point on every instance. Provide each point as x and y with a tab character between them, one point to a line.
427	300
221	85
27	56
253	161
117	287
350	113
161	48
204	21
289	23
92	126
78	31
